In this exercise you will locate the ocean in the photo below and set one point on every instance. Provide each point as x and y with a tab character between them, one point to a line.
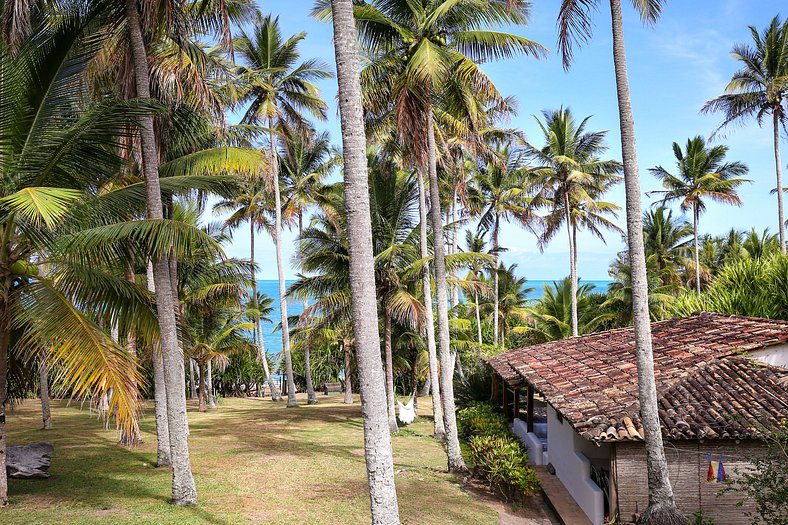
273	340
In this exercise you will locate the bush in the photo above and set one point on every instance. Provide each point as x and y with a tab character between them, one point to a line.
503	462
480	419
497	454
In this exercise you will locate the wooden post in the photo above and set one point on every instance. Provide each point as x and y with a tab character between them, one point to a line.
529	424
613	485
504	406
516	409
495	389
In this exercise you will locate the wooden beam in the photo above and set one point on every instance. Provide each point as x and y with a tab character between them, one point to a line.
504	406
613	484
529	403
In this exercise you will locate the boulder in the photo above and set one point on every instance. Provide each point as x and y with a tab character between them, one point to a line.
29	461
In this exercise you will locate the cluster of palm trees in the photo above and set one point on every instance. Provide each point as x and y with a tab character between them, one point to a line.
114	135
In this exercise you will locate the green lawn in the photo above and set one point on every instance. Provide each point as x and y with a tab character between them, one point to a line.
255	462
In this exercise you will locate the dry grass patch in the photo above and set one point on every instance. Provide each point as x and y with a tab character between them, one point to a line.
254	461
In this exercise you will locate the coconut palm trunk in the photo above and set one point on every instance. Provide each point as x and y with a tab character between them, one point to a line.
183	488
496	263
377	439
429	322
478	317
662	507
695	219
571	232
389	370
130	437
201	391
192	381
209	385
310	389
43	390
779	171
163	456
455	290
347	349
280	270
5	337
454	455
262	358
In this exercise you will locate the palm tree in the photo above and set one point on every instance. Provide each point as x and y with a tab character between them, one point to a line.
500	193
415	49
393	198
702	173
512	297
184	491
324	256
253	204
751	286
55	152
571	180
552	313
306	162
279	91
762	245
620	297
476	244
666	240
575	27
377	440
759	89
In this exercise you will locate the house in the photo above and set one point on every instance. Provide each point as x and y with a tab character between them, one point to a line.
722	385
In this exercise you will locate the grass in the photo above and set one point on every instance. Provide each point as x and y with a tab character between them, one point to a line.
254	462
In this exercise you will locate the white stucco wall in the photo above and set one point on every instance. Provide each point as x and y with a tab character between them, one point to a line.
530	441
772	355
573	467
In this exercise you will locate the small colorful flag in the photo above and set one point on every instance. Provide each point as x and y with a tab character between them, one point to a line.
720	471
710	476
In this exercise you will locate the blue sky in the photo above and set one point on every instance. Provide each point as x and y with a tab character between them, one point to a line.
674	68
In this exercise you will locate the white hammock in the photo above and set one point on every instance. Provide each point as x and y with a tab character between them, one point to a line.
407	413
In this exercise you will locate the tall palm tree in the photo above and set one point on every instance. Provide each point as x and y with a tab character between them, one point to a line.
619	292
55	153
143	17
758	89
575	27
512	297
393	198
553	316
476	244
571	179
667	240
280	91
501	193
416	48
702	174
253	204
305	163
377	440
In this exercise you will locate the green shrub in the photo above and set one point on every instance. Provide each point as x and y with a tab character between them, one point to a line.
503	462
698	518
480	419
496	453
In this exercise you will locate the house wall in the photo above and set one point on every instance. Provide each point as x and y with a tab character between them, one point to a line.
688	470
571	456
773	355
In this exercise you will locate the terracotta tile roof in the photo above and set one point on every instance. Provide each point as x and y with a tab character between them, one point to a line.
706	390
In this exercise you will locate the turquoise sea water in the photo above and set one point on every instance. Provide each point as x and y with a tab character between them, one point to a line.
273	340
